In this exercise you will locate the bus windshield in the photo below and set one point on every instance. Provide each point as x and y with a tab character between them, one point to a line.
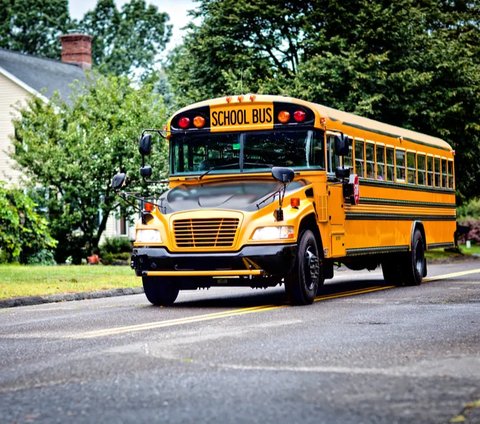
246	151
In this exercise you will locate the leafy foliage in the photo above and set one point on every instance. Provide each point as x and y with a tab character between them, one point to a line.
126	42
33	26
23	231
412	64
73	150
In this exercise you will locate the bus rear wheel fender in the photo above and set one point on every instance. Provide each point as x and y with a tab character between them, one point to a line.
409	268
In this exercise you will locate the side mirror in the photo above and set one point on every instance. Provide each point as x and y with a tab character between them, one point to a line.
145	145
284	175
341	145
118	180
146	171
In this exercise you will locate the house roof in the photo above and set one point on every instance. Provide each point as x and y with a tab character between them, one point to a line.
38	75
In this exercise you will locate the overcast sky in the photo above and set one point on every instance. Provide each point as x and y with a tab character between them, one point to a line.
176	9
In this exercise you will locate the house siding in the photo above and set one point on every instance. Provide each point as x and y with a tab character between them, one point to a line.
11	95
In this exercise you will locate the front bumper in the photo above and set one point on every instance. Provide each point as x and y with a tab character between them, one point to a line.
250	262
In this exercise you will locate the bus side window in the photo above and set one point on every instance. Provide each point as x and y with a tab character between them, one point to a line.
444	173
421	169
411	168
359	164
390	163
400	163
370	159
429	171
347	160
437	172
450	173
333	159
380	151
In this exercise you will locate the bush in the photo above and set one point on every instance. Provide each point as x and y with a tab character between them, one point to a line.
470	210
473	233
122	258
115	245
42	257
23	231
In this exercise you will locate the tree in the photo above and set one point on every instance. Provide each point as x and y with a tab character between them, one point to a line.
23	231
74	150
412	64
33	26
126	42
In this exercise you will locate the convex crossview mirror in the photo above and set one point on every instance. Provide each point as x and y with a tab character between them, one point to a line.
284	175
146	171
145	145
118	180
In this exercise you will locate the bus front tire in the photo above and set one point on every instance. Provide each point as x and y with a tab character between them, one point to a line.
302	283
160	292
407	269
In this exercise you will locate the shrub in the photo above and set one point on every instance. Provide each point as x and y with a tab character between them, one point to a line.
473	233
470	210
42	257
115	245
23	231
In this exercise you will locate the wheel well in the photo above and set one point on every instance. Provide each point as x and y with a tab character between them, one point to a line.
417	225
310	223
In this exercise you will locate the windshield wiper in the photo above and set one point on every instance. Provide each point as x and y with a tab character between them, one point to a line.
231	165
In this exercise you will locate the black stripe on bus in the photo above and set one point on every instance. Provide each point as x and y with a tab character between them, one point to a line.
396	136
383	249
405	186
360	216
375	201
439	245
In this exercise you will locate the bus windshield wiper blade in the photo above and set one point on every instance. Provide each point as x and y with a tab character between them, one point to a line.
231	165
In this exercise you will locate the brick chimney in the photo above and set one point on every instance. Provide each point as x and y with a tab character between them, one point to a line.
77	49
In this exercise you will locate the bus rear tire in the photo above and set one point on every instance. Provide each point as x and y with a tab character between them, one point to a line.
302	283
407	269
159	291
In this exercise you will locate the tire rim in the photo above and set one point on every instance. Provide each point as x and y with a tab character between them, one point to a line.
419	258
311	267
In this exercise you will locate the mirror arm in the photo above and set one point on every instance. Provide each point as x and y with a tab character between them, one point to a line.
156	131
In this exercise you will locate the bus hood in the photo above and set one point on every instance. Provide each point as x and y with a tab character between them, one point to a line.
232	195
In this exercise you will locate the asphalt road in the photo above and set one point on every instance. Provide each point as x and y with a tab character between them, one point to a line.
362	353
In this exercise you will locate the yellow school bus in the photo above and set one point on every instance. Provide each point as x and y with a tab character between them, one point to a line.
267	190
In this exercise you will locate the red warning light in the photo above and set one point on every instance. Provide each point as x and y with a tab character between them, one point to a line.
184	122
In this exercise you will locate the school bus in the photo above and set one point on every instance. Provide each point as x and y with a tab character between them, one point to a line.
267	190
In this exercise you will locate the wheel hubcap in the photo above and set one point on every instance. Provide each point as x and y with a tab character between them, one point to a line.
312	265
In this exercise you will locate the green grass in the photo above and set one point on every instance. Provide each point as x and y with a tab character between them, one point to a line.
442	255
33	280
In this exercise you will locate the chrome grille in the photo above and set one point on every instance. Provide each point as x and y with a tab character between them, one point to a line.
214	232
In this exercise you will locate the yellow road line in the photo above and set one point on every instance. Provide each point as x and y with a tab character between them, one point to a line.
451	275
244	311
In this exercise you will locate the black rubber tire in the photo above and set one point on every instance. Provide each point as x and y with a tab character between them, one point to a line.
302	283
406	269
415	261
160	292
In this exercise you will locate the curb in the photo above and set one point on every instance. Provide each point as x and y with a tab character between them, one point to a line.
67	297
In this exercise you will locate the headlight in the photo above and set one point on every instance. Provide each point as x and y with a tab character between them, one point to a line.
273	233
148	236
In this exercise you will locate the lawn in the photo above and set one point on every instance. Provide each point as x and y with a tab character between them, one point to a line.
33	280
29	280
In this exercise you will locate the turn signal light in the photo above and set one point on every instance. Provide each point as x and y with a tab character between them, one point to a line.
199	121
299	115
184	122
283	116
148	207
295	202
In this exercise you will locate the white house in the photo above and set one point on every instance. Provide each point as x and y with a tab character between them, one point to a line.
23	76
